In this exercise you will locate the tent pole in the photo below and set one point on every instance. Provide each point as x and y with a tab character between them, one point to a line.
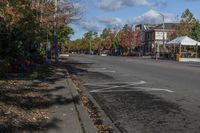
197	50
180	51
174	49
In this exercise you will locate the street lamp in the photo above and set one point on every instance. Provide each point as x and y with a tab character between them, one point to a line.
163	28
163	31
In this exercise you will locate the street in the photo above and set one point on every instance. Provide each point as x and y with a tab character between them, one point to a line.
143	95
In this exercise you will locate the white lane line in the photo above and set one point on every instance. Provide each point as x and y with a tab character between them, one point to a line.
154	89
131	90
99	69
112	83
96	68
102	70
105	91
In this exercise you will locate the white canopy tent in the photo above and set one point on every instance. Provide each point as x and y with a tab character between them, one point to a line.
183	40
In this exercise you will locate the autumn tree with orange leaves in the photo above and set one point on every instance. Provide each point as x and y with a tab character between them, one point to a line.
25	26
116	42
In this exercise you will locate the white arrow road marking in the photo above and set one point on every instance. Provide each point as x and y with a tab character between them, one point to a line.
116	86
132	84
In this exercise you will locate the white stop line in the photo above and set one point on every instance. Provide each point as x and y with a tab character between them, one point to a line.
117	87
100	70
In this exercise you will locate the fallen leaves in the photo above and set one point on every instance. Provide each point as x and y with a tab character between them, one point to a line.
92	110
15	95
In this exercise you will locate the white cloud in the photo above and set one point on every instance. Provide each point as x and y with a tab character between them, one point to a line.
191	0
111	22
117	4
89	25
153	17
160	4
110	4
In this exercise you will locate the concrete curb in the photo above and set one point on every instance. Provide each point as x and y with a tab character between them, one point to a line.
84	119
106	119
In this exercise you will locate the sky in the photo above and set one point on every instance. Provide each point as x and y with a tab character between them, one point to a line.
95	15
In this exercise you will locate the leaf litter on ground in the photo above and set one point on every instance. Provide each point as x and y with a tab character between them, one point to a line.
20	108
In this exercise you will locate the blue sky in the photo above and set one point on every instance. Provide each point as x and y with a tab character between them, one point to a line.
99	14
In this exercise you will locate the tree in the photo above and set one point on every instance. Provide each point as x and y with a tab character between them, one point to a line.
22	27
187	23
88	37
96	43
196	32
105	33
127	37
26	23
64	36
107	37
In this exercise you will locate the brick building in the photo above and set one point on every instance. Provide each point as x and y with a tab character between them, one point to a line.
152	36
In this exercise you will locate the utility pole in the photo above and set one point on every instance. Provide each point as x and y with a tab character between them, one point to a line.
55	30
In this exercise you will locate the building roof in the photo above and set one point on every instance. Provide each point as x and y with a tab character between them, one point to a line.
145	26
167	26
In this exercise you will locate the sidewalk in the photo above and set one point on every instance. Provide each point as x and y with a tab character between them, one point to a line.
67	114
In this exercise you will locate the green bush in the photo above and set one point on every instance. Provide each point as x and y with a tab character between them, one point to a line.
4	64
42	71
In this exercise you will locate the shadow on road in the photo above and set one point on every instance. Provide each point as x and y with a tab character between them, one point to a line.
80	69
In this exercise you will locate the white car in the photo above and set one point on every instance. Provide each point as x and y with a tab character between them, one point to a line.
103	55
63	55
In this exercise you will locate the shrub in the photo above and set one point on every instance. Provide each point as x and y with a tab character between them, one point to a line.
4	66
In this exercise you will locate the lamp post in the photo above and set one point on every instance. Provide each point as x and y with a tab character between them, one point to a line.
163	28
90	47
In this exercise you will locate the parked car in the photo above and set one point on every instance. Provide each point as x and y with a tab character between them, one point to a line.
135	53
103	54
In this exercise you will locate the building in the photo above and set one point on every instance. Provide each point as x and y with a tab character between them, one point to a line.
141	29
153	38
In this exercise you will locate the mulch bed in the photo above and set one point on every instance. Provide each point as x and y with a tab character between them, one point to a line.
23	106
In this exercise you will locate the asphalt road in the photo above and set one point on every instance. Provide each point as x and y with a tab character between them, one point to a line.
143	95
